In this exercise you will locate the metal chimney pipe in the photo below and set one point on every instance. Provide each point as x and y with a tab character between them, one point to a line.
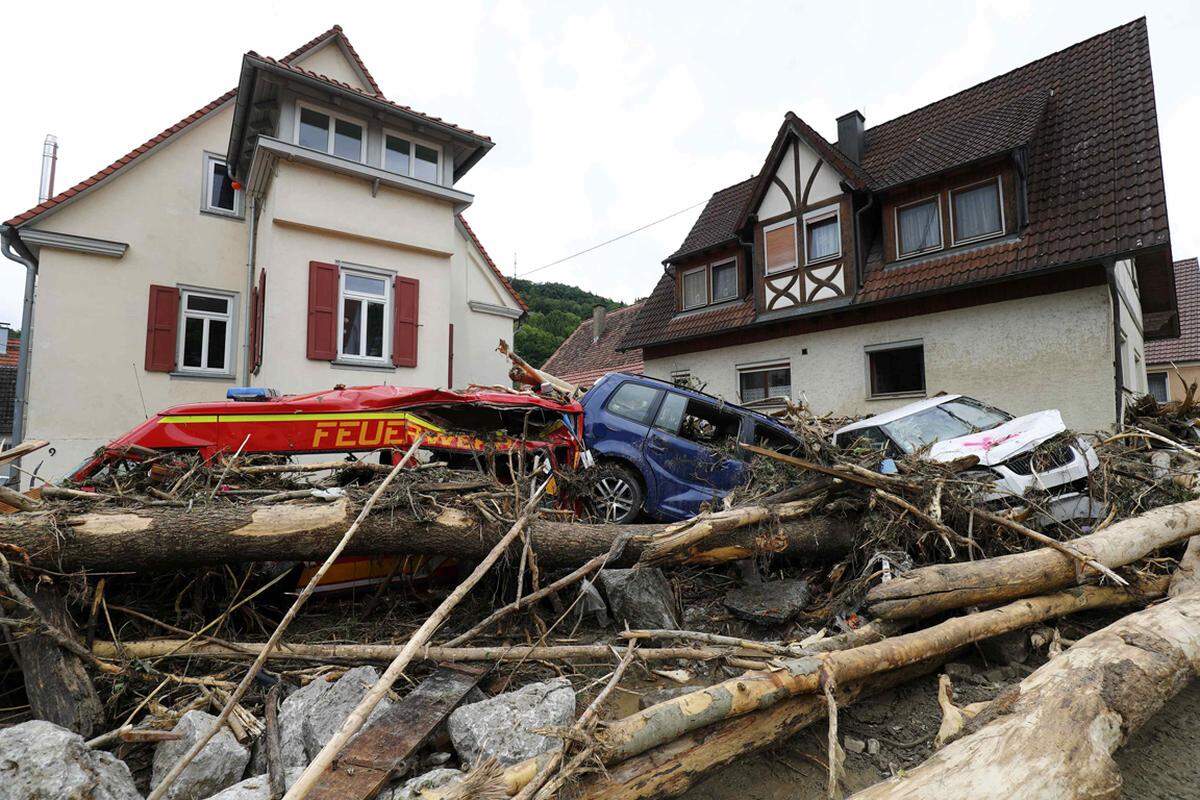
49	160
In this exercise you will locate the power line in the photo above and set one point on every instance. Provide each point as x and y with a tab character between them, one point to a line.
610	241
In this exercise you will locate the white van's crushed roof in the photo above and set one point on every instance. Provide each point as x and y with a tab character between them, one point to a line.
898	413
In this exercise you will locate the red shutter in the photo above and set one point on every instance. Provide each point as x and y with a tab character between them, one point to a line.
404	337
162	327
256	333
322	311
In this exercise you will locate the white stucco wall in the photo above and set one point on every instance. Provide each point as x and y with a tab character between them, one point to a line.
87	382
1133	347
1052	351
330	62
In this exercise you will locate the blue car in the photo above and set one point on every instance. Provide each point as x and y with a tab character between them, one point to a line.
664	449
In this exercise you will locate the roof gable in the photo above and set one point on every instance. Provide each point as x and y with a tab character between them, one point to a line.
717	223
331	54
582	359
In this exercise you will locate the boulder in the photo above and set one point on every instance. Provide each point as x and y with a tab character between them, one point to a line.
218	766
640	597
324	717
255	788
412	788
503	726
42	761
769	602
292	713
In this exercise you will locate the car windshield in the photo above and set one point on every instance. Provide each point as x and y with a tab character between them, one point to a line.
946	421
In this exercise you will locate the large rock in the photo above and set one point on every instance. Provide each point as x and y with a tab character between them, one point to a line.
640	597
324	717
256	788
768	603
411	789
292	713
503	726
218	766
41	761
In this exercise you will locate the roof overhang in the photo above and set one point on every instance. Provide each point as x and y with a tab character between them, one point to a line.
36	238
1156	290
253	65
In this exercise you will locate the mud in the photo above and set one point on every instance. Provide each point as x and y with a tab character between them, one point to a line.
1162	760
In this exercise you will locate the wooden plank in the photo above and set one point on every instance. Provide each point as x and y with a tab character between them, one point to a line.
382	749
23	449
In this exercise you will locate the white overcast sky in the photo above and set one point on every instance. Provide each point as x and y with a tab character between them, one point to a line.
606	116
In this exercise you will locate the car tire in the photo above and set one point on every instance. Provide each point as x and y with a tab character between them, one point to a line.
616	494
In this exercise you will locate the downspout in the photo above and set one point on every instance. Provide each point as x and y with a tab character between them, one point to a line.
860	256
14	250
252	220
1110	271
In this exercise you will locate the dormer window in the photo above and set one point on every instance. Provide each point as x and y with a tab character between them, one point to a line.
330	133
724	281
919	227
977	212
695	288
406	156
822	235
780	246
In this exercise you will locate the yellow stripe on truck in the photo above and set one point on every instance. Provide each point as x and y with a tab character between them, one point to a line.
184	419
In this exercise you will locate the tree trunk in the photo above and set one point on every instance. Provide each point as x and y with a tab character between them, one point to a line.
1053	737
943	587
56	683
170	538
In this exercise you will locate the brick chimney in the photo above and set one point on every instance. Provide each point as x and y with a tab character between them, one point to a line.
850	135
598	313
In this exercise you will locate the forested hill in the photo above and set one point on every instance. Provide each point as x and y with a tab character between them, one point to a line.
555	310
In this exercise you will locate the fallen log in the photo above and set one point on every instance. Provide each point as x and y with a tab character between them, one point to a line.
161	537
925	591
1052	738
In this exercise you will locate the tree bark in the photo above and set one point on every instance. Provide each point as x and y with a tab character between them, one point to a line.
943	587
159	538
1053	737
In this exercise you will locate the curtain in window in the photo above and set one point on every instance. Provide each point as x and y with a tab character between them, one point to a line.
919	228
724	282
823	239
977	212
694	291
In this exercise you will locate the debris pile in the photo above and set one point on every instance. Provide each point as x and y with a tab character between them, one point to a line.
168	633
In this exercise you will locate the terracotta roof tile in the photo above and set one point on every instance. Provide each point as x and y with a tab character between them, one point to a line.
717	223
1185	347
9	357
581	360
492	264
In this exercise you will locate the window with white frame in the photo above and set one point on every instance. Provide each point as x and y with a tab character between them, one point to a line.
220	194
330	133
695	288
762	382
365	310
822	235
724	281
204	332
405	155
976	212
918	227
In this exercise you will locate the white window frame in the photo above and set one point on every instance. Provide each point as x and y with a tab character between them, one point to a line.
229	317
360	270
870	349
766	366
937	199
683	288
207	174
333	117
795	246
712	271
412	158
1166	379
950	201
820	215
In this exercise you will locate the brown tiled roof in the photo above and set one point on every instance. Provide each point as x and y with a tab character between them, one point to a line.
492	264
332	32
203	111
1185	347
658	321
9	357
717	223
581	361
1095	184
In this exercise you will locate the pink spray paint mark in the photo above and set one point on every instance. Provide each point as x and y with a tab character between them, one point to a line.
987	443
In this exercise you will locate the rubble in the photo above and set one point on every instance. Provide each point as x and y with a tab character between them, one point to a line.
41	760
768	602
323	717
254	788
412	788
218	766
640	597
503	727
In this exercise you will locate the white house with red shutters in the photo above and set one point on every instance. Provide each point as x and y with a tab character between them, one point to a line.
300	231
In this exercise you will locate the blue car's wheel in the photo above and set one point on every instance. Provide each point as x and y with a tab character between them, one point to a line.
616	495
